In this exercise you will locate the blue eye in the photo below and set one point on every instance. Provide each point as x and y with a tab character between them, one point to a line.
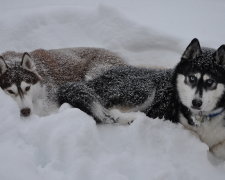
192	79
209	82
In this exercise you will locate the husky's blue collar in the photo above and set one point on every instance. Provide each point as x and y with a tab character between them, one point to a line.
201	118
216	113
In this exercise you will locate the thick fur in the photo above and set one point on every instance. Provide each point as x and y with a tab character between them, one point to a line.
200	77
168	94
31	78
126	87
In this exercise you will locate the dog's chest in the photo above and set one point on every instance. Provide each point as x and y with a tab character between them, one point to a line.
211	131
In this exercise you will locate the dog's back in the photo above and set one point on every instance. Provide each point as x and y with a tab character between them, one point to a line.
126	87
69	64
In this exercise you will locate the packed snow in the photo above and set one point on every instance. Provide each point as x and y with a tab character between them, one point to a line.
68	144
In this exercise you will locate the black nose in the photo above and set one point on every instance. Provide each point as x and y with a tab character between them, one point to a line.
25	112
197	103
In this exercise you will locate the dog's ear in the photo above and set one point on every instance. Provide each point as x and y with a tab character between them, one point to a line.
3	65
27	62
193	50
219	55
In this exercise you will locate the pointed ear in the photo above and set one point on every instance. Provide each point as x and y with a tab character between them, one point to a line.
3	65
27	62
193	50
219	55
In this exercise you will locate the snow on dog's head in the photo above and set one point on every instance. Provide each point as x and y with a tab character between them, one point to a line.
200	78
20	81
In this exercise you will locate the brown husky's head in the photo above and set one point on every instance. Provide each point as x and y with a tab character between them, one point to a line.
21	82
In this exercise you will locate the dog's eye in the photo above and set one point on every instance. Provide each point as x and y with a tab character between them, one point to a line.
192	79
10	92
209	82
27	88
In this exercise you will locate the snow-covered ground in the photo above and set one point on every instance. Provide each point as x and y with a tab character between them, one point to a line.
68	145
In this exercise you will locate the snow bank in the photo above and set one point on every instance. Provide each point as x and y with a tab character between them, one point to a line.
68	144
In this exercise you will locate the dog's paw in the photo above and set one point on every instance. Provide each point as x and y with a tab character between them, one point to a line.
129	123
125	121
109	119
123	118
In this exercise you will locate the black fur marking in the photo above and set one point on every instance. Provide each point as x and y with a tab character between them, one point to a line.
219	55
80	96
124	86
193	50
20	92
187	114
200	86
16	75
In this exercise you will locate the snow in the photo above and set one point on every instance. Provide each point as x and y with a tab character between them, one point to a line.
68	144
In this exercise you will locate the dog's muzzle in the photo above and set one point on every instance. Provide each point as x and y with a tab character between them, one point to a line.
25	112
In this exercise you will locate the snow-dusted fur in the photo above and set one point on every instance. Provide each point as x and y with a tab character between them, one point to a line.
195	87
125	87
200	85
32	79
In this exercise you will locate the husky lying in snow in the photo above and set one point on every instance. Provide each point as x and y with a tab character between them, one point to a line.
33	80
200	87
193	93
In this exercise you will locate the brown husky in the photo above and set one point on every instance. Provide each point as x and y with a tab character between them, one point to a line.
32	79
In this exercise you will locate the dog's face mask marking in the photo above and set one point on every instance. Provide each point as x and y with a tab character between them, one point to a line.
200	78
19	82
199	93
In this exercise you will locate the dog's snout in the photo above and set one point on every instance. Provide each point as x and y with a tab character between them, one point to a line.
25	112
197	103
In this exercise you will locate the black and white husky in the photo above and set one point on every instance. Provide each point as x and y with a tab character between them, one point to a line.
32	79
199	81
193	93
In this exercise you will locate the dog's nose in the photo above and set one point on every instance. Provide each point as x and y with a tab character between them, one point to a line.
197	103
25	112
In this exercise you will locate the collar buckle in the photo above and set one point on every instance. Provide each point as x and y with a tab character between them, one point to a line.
201	118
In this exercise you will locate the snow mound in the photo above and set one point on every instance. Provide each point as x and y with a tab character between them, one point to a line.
69	145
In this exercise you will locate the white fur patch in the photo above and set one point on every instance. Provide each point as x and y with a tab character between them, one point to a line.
186	93
111	116
124	118
101	113
23	85
28	63
13	88
32	99
205	77
209	97
98	110
3	66
197	75
211	132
